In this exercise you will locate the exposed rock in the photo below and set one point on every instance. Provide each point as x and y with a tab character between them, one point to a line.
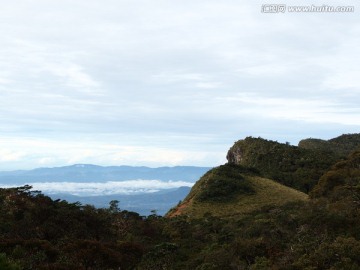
234	155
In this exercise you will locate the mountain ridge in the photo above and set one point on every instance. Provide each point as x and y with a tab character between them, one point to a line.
299	167
96	173
342	145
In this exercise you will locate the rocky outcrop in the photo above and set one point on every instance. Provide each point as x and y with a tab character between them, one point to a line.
234	155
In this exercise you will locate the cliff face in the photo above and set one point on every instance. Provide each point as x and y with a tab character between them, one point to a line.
234	155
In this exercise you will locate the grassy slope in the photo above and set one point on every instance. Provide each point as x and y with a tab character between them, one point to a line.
267	193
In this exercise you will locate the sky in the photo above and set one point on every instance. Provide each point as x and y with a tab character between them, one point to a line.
165	83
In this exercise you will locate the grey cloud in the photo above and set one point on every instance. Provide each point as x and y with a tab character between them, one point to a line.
144	72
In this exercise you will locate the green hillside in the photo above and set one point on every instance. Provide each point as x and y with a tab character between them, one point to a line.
233	218
292	166
341	181
342	145
232	190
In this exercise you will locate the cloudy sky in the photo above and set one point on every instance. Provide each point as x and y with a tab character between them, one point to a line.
156	83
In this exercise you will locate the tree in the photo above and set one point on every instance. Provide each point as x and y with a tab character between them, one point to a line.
114	206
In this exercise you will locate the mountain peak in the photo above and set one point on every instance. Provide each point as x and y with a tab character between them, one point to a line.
84	166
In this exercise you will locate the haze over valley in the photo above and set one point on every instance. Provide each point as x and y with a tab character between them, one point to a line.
139	189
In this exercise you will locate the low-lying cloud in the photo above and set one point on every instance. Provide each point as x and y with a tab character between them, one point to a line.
106	188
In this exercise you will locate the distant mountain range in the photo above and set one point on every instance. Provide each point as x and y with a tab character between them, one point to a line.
92	173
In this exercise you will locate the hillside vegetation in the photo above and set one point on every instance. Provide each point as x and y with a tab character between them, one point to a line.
233	219
341	181
296	167
342	145
232	190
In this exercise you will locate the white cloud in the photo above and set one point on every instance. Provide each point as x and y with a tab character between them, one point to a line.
106	188
10	155
307	109
171	77
74	76
4	81
208	85
268	70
